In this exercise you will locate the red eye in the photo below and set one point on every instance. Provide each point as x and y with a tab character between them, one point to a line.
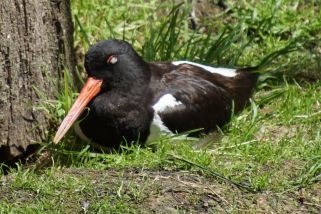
112	59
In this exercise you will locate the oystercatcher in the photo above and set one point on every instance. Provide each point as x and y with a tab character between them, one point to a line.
126	96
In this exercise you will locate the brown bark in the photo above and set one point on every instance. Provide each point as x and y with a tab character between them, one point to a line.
35	46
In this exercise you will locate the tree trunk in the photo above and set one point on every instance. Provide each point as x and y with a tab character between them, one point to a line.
35	46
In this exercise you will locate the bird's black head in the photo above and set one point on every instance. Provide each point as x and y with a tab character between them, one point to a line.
116	63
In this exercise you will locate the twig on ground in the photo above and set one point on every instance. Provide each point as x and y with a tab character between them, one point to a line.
312	204
215	174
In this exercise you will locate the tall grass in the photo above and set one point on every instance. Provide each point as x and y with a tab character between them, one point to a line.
159	31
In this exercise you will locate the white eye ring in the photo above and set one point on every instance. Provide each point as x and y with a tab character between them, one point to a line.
112	59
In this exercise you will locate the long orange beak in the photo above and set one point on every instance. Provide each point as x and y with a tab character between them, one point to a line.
89	91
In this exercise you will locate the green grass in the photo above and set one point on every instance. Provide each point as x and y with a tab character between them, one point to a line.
273	146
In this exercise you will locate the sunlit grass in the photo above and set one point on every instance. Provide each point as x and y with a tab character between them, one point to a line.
273	145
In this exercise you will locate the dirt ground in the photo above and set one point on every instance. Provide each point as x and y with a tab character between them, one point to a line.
178	192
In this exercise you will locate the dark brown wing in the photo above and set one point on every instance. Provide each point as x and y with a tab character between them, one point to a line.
204	104
206	98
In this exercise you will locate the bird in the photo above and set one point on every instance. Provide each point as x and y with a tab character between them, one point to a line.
125	96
